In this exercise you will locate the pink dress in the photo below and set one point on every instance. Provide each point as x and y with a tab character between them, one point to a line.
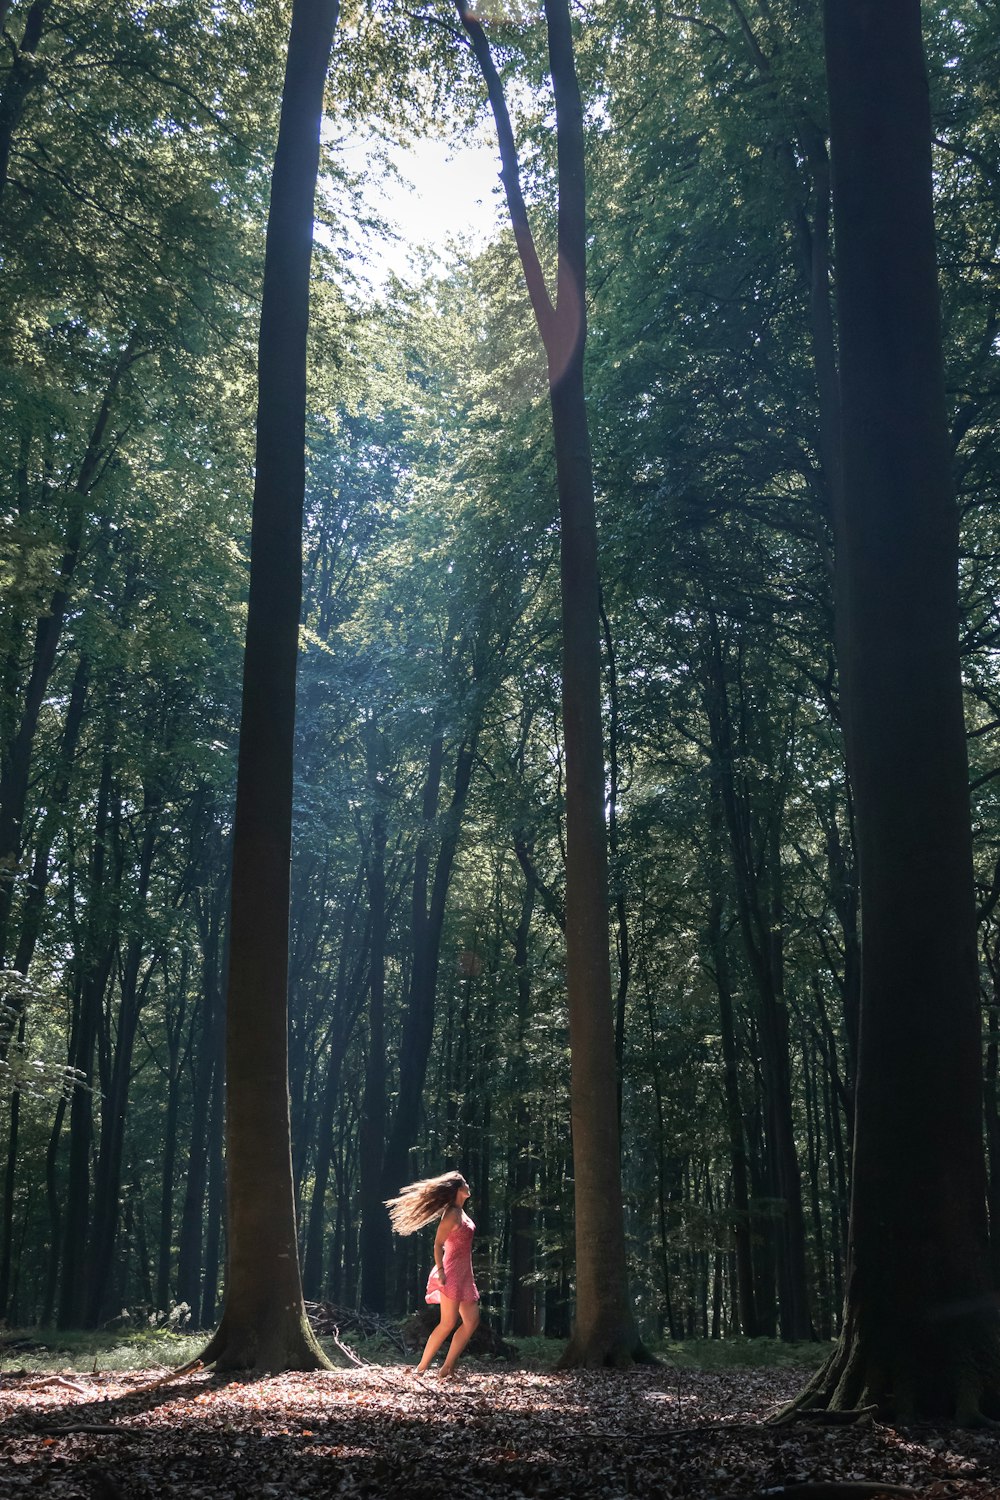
459	1282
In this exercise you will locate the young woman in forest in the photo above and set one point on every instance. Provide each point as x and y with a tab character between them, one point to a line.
451	1282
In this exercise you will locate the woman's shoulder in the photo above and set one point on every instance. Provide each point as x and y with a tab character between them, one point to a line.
452	1216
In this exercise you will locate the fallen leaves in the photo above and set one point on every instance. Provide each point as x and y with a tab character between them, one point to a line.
379	1430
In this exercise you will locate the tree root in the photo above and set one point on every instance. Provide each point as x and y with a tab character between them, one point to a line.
823	1416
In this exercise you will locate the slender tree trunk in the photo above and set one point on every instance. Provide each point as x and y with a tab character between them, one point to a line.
742	1237
16	764
31	917
215	1195
189	1249
524	1167
920	1339
374	1222
108	1171
604	1331
428	924
614	851
347	1001
758	887
264	1326
91	982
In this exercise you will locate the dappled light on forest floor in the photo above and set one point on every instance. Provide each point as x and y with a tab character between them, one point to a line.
379	1430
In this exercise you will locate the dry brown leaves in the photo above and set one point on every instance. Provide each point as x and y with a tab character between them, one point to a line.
381	1431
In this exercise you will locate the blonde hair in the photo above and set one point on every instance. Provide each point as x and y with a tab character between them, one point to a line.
422	1202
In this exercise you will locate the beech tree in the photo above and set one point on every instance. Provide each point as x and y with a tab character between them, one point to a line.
604	1329
920	1339
264	1326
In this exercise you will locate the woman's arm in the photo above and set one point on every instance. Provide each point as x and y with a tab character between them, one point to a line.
449	1219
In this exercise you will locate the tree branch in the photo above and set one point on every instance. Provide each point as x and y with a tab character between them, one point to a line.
510	174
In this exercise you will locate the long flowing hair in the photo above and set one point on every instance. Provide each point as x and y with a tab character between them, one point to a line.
422	1202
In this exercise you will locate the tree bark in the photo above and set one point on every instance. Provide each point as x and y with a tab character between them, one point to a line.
264	1326
920	1339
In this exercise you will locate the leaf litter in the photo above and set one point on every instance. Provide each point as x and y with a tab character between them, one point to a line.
381	1431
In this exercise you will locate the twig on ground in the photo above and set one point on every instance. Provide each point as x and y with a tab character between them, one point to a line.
59	1380
354	1358
60	1429
178	1374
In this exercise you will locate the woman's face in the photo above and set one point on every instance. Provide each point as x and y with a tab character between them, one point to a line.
462	1193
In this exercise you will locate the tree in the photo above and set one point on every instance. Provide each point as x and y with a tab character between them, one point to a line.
920	1339
263	1324
604	1328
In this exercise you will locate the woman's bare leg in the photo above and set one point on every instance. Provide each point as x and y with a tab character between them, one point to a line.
449	1318
470	1322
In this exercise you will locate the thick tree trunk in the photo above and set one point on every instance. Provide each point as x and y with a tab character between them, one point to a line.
921	1337
264	1326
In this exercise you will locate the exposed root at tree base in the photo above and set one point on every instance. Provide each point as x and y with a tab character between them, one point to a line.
256	1351
614	1352
957	1385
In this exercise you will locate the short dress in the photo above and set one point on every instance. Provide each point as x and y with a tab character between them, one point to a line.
459	1284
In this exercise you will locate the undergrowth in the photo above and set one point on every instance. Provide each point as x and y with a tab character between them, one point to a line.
48	1351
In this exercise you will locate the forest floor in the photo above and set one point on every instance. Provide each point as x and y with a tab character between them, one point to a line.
665	1431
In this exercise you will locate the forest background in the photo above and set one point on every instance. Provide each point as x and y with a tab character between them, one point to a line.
135	154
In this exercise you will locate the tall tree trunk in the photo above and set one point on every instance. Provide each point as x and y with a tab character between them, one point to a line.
604	1330
264	1325
920	1339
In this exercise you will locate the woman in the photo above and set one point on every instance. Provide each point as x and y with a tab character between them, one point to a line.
451	1282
